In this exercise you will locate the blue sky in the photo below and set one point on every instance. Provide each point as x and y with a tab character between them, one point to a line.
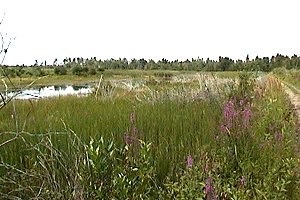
156	29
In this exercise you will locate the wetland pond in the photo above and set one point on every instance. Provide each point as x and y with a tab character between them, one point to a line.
52	91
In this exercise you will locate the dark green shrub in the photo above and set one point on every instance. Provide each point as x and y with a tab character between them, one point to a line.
84	70
80	71
37	71
92	71
100	69
19	71
10	72
77	70
60	71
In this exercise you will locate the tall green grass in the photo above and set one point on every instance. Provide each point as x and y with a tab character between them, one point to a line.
175	129
290	76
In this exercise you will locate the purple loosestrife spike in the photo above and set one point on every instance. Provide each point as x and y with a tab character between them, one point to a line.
242	101
243	181
127	139
229	113
132	118
208	186
246	117
223	128
228	110
189	161
278	136
209	189
134	131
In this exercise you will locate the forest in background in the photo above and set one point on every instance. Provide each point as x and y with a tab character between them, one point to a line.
265	64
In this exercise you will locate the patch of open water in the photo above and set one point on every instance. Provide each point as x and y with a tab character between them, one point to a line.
52	91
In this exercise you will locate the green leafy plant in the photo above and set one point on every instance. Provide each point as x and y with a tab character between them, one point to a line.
111	172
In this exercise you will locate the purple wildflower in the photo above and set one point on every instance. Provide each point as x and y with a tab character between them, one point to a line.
189	161
278	136
132	118
223	128
209	189
134	131
243	181
128	139
242	101
246	117
229	113
208	186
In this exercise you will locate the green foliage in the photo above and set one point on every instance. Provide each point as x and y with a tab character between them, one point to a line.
280	71
264	64
92	71
12	72
256	161
101	69
60	70
77	70
36	71
288	76
189	185
113	173
245	87
83	71
243	146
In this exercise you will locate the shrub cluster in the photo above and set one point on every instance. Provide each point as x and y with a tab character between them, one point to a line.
13	72
60	70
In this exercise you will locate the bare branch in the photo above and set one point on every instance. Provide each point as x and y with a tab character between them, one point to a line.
2	18
2	44
5	49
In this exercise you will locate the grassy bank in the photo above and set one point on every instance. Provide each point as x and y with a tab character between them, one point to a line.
49	78
290	76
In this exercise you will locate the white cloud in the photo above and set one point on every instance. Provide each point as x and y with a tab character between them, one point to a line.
150	29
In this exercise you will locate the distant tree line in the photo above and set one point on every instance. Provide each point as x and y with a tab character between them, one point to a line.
222	64
81	66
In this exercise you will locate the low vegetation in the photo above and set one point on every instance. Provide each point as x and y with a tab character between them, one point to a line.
162	137
291	76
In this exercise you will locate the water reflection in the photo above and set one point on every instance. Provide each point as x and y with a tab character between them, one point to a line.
52	91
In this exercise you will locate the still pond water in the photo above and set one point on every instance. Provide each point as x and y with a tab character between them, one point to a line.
53	91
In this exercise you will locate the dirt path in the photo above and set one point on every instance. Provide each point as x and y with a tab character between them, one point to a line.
294	95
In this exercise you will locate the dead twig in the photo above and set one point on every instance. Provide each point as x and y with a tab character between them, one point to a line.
98	86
